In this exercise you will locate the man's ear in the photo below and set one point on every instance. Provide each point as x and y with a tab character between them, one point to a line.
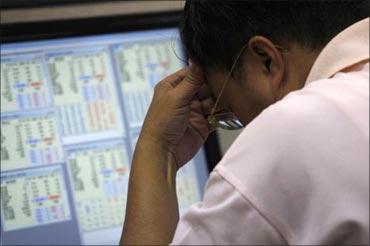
270	60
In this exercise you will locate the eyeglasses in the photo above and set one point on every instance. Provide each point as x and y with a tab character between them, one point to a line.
226	119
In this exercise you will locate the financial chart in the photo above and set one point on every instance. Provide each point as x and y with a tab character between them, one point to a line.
140	66
71	113
83	89
29	141
32	198
23	83
100	178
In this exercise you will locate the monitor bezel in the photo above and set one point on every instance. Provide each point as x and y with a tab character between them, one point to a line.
37	3
32	31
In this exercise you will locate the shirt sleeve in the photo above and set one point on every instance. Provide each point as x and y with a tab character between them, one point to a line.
224	217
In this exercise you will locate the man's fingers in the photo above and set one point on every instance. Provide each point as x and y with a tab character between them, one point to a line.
185	83
204	106
204	92
176	78
191	83
207	105
195	105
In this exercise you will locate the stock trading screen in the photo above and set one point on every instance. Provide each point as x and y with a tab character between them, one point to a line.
71	114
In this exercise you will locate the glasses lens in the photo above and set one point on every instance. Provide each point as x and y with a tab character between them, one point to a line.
227	121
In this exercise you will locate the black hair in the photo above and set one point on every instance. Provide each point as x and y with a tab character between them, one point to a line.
214	31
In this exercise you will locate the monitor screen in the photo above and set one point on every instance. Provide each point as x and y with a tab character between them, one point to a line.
71	113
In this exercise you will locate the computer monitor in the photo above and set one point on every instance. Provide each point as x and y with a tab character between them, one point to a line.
71	113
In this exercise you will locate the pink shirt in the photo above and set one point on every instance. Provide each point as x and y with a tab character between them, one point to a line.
299	173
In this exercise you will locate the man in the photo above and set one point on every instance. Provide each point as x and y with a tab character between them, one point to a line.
296	74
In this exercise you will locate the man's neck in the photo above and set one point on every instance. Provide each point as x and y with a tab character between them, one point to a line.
299	63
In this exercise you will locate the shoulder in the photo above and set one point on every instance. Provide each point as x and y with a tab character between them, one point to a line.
212	221
298	150
304	119
307	125
288	124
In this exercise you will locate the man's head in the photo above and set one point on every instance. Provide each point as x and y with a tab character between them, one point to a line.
282	40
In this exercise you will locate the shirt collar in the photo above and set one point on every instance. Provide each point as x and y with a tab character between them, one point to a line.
349	47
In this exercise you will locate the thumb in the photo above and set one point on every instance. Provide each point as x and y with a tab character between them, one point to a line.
191	83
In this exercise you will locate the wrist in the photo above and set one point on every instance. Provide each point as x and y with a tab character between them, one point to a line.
156	152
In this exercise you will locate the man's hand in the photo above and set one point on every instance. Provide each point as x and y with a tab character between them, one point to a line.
173	131
176	118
